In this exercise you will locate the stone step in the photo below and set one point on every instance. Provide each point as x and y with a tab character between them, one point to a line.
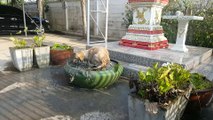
190	60
131	70
206	68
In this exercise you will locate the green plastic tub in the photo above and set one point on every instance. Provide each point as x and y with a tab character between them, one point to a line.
94	79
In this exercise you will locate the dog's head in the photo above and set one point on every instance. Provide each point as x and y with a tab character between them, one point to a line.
79	56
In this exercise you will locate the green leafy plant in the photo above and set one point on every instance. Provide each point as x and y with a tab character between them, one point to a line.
63	46
38	40
162	84
200	82
19	43
128	19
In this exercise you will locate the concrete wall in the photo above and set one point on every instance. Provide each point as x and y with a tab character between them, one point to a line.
56	16
117	12
31	9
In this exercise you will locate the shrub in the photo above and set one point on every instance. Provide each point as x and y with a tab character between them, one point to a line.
19	43
163	84
38	40
128	19
63	46
200	82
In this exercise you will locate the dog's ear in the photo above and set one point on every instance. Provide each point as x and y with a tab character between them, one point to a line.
81	57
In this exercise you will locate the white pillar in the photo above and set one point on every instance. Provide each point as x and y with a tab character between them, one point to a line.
96	31
24	17
107	19
66	15
40	7
181	36
88	22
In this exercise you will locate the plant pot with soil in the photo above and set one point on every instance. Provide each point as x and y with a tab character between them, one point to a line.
22	55
202	92
60	53
41	52
161	93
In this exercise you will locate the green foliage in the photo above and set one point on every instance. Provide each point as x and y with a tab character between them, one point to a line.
15	2
202	31
2	3
167	77
160	84
19	43
63	46
170	29
38	40
128	16
200	82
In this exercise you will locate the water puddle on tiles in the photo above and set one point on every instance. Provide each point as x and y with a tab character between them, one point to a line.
14	86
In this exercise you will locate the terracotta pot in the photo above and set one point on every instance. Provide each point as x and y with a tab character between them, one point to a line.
59	57
199	99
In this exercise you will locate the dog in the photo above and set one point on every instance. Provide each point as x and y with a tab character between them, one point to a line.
97	56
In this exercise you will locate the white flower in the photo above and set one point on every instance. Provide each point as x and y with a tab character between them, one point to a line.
166	64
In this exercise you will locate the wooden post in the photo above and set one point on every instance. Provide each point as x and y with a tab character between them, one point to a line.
40	8
84	21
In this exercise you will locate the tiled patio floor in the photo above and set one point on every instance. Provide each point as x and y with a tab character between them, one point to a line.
43	93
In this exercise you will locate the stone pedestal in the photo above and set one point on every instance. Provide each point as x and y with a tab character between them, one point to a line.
183	22
146	32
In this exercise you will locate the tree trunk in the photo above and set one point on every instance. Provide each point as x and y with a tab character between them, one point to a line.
14	2
40	8
84	21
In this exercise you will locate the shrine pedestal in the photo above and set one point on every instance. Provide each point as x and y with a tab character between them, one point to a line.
146	32
183	22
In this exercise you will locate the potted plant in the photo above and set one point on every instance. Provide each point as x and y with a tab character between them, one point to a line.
59	53
201	94
22	56
161	93
41	52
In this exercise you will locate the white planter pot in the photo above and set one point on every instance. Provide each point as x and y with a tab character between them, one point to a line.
174	111
22	58
42	56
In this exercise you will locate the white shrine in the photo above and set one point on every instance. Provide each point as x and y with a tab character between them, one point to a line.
146	31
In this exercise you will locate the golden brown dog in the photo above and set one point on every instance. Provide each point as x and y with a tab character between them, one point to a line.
98	56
